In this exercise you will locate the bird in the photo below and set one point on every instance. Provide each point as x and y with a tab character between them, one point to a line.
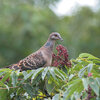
40	58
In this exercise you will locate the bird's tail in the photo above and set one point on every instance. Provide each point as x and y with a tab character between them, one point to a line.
13	66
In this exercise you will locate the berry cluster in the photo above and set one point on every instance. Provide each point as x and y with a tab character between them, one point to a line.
89	74
61	58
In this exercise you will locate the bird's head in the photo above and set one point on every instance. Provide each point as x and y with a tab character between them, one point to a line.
55	36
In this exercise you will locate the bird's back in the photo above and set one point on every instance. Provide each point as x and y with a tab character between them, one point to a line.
33	61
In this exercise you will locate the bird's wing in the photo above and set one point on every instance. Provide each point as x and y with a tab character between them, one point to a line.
33	61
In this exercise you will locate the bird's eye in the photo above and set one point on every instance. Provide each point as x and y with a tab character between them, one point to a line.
55	35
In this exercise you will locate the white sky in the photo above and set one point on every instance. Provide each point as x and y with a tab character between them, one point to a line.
66	6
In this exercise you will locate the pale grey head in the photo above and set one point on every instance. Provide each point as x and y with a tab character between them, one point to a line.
55	36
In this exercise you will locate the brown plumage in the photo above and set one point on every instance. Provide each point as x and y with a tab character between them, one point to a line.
41	58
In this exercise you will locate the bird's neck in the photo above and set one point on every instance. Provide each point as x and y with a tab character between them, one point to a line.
50	44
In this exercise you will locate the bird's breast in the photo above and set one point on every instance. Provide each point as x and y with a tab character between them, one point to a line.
47	54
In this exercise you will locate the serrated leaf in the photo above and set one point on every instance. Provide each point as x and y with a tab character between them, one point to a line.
65	94
7	87
64	68
82	71
93	84
71	76
72	82
74	88
2	73
61	73
58	74
89	67
97	98
26	76
98	81
6	76
87	55
44	73
36	73
29	89
36	80
24	73
18	72
5	70
56	97
3	94
2	84
50	86
51	70
85	83
14	79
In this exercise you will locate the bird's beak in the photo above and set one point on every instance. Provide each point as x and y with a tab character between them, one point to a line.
61	38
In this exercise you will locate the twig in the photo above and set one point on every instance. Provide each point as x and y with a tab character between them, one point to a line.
9	87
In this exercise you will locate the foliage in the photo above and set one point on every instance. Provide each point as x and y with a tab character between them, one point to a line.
72	83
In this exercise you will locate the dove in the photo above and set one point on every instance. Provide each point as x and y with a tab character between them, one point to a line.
40	58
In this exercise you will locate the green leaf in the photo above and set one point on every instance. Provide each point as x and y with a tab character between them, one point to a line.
26	76
36	73
5	70
63	74
6	76
18	72
65	69
51	70
44	73
71	76
14	78
2	73
29	89
24	73
56	97
82	71
93	84
76	96
50	86
98	81
65	94
7	87
89	67
3	94
36	80
60	74
87	55
74	88
2	84
97	98
73	81
85	83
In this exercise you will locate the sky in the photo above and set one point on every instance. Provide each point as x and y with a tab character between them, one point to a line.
65	7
